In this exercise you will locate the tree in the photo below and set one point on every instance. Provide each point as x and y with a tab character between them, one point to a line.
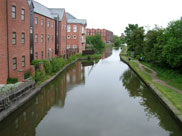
96	42
172	51
117	41
134	36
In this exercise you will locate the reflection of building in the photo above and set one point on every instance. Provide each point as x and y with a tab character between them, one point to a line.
24	121
75	76
107	53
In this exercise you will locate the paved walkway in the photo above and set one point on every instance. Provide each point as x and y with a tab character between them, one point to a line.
155	78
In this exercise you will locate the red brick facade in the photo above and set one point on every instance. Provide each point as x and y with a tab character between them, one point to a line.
62	36
76	37
15	43
3	43
107	36
44	37
29	27
18	26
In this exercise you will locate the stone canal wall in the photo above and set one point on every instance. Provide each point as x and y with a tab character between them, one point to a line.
170	107
20	96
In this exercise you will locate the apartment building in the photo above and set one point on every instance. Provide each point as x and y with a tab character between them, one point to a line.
30	31
76	31
14	31
107	36
59	15
42	32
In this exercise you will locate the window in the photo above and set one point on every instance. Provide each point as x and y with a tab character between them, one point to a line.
14	38
23	38
74	46
36	20
68	28
31	30
23	14
52	38
13	12
36	56
74	36
42	38
48	38
48	24
74	28
42	54
68	36
42	22
52	25
23	61
36	38
68	46
14	63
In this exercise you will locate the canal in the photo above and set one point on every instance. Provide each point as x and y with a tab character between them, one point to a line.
93	98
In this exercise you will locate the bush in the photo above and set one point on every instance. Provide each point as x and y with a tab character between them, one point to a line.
47	67
39	76
26	75
12	80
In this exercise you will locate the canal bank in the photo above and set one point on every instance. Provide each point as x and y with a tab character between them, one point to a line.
103	98
171	108
17	104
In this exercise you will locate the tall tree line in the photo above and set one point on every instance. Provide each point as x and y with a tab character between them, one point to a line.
159	46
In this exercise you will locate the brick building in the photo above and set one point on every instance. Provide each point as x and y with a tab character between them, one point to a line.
29	31
43	32
76	30
14	45
61	23
107	36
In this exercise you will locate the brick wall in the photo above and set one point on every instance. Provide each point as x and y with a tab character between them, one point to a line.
44	46
17	25
76	38
3	43
62	36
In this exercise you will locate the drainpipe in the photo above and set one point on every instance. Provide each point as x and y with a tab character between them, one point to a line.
7	35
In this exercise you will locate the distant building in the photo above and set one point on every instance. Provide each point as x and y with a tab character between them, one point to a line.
107	36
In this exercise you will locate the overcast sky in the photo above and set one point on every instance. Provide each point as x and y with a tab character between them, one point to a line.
115	15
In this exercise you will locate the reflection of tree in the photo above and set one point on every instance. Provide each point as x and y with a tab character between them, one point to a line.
153	107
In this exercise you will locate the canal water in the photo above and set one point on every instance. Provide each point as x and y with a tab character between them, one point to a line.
93	98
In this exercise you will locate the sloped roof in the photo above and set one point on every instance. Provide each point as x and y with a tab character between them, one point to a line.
41	9
77	21
69	16
74	20
57	11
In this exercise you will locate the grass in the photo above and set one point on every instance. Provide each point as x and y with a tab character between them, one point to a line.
174	97
148	70
171	77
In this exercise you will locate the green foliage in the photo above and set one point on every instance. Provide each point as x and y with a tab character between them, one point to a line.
134	36
39	76
161	47
26	75
96	41
117	41
12	80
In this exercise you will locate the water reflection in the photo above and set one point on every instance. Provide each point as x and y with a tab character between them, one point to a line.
93	98
151	104
24	121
